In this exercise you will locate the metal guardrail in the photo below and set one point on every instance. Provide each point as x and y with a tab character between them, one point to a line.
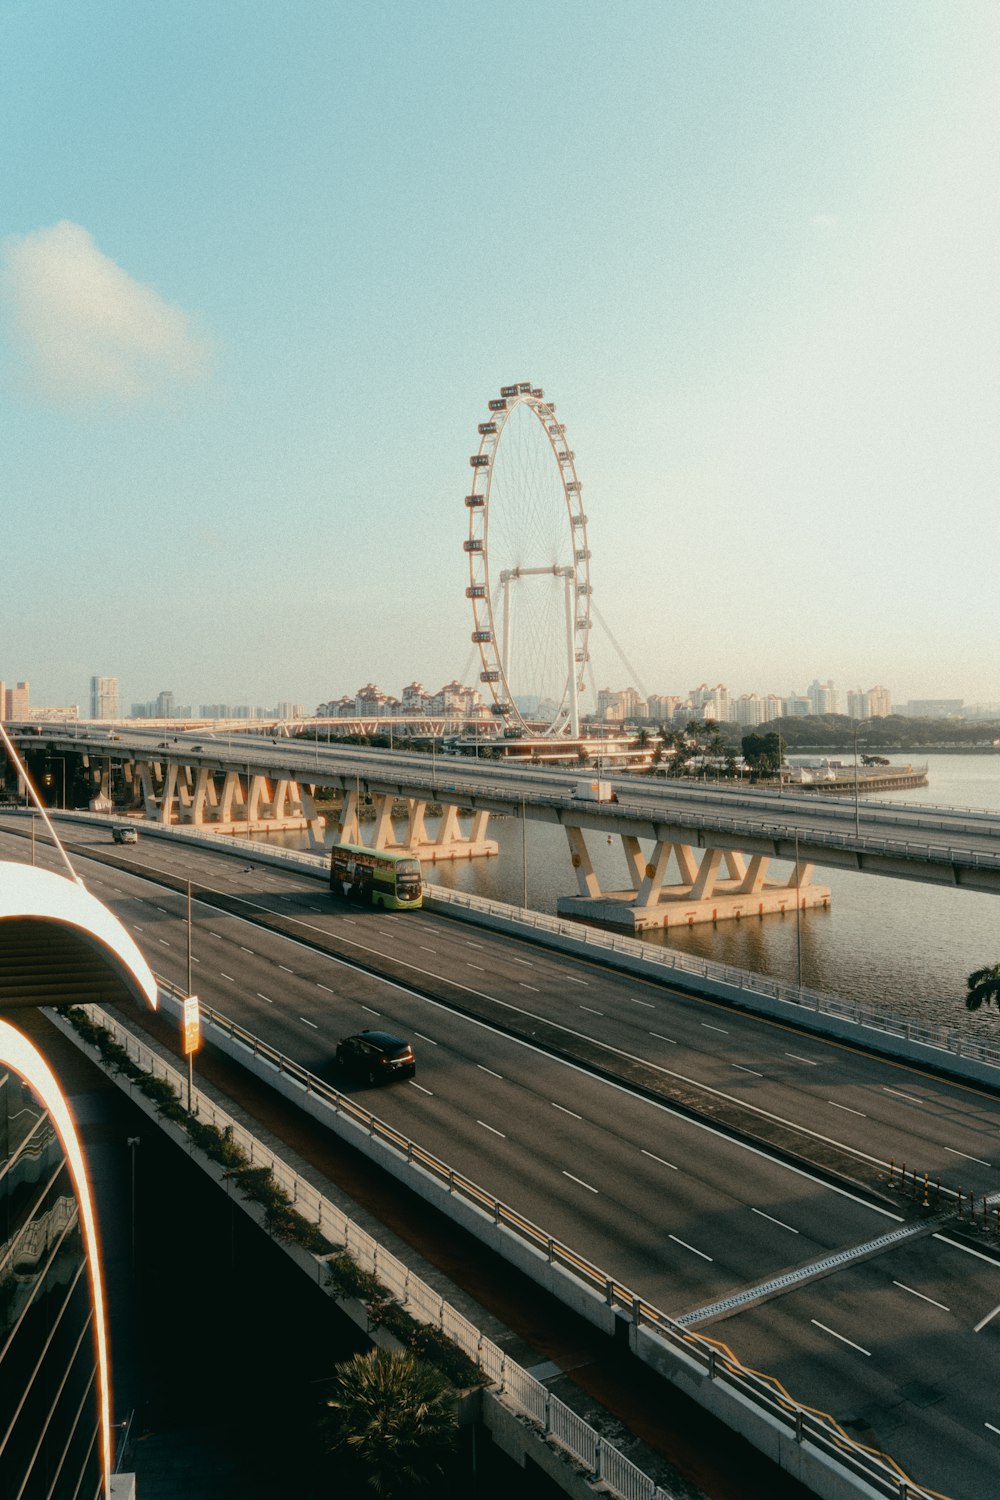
764	1392
552	1417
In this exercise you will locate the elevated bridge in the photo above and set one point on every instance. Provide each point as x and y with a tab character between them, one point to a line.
691	852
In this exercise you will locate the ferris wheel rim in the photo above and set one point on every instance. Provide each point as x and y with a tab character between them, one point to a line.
480	591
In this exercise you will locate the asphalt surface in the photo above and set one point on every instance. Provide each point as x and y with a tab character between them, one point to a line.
656	1191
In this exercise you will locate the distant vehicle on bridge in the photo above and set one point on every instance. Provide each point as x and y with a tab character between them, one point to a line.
376	877
125	835
595	791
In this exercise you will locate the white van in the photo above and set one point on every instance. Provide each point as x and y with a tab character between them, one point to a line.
125	835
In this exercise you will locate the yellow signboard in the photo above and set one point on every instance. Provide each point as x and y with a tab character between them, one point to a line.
191	1025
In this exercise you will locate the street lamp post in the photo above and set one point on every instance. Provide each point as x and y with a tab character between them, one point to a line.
857	798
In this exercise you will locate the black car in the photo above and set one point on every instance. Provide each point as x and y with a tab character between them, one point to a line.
376	1056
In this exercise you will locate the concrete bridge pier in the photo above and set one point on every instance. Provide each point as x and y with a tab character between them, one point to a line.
450	841
711	885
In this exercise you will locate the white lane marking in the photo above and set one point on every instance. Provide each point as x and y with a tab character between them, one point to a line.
573	980
246	950
849	1111
491	1129
688	1247
469	944
564	1110
370	1011
164	910
989	1316
164	942
420	1086
647	1003
489	1071
913	1293
324	987
978	1159
350	922
592	1011
715	1028
900	1095
264	997
215	934
661	1038
866	1352
424	1038
992	1428
580	1181
286	968
136	927
526	961
228	976
660	1159
748	1070
476	966
780	1222
309	1023
314	908
425	949
807	1060
522	985
195	960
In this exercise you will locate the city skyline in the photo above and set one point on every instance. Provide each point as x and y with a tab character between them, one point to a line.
749	255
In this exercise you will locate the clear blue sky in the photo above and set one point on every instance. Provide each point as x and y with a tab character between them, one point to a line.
263	266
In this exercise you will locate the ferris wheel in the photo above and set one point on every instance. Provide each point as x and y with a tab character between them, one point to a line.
529	565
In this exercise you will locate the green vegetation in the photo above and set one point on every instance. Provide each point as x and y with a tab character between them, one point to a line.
390	1424
983	988
762	753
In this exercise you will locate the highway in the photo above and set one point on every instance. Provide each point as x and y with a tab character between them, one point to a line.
668	1204
943	845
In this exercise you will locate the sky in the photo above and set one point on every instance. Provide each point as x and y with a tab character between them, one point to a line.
262	267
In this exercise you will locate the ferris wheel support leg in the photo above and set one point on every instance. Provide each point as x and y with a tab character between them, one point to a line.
586	877
574	706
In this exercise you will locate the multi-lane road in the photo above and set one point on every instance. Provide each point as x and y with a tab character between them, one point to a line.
901	1348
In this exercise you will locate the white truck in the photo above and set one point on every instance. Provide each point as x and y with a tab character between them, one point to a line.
595	791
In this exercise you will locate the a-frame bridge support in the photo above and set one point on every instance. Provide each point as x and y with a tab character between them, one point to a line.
679	885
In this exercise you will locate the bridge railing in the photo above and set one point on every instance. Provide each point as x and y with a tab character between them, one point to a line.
713	1358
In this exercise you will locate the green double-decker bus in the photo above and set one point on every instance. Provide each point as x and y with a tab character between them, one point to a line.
376	877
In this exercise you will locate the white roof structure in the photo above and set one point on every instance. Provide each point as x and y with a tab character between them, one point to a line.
59	945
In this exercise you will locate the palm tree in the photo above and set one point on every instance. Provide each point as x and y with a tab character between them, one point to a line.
983	987
391	1422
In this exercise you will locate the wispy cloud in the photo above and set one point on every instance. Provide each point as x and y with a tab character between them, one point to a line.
84	329
825	221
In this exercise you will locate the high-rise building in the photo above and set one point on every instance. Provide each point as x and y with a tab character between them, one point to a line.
165	705
104	698
16	701
822	697
750	709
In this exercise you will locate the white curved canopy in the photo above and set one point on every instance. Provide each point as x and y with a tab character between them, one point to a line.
59	945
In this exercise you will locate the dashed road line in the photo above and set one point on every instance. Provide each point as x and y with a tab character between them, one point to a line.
692	1248
580	1180
914	1293
807	1060
307	1022
228	976
562	1108
489	1071
860	1112
660	1159
264	997
742	1069
591	1010
866	1352
709	1027
966	1157
491	1129
780	1222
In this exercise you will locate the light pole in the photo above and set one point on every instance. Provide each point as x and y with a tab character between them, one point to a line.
798	910
857	799
524	858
